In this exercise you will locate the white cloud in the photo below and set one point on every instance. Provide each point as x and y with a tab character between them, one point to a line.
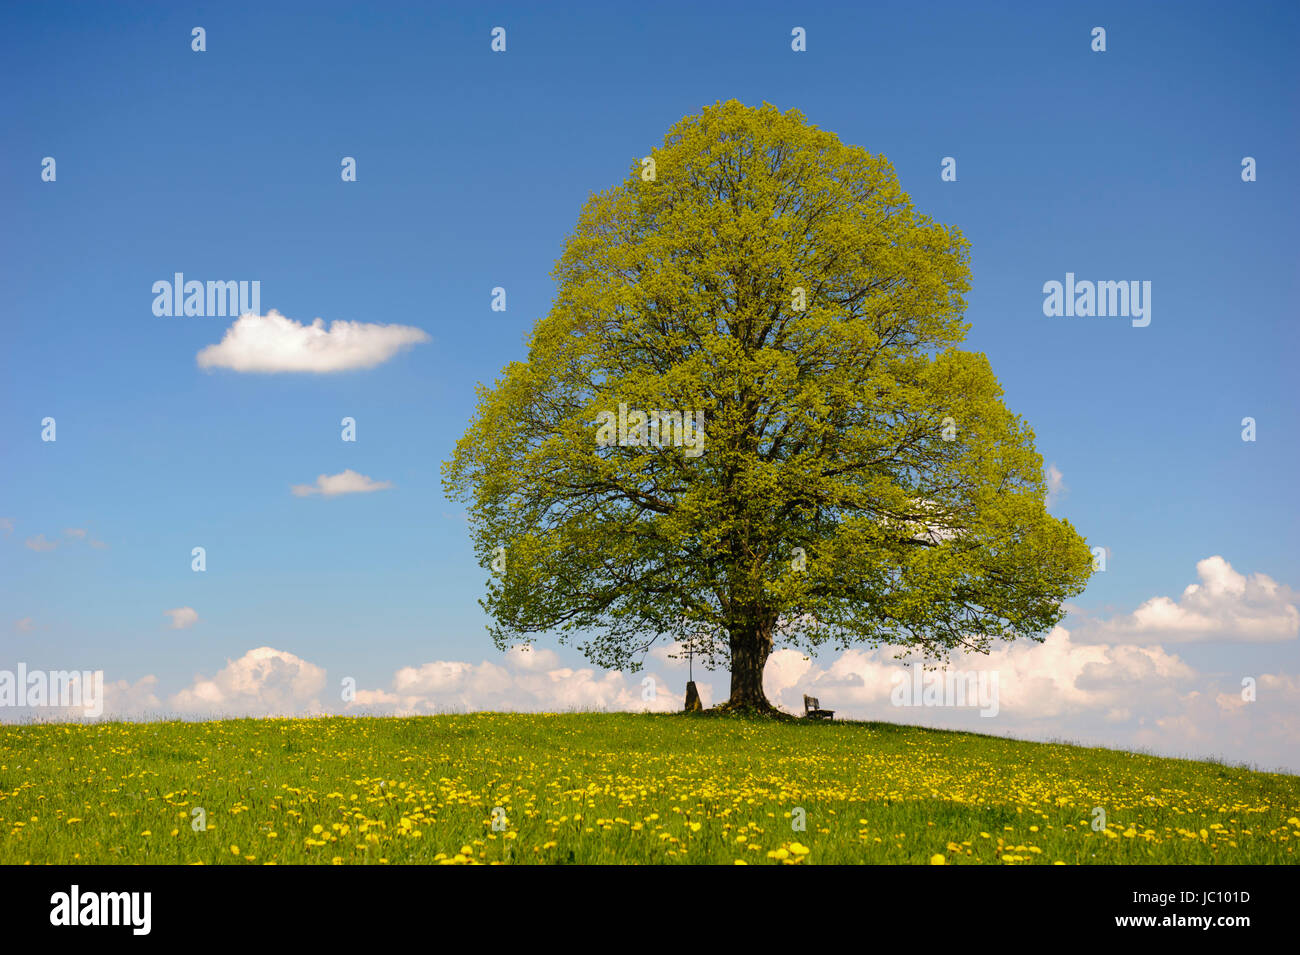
124	700
40	544
1225	605
263	682
78	532
182	617
7	525
346	482
274	343
1036	681
1055	484
529	680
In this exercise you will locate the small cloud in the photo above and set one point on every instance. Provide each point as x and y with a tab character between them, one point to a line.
39	543
1055	484
78	532
99	545
347	482
7	525
272	343
182	617
25	625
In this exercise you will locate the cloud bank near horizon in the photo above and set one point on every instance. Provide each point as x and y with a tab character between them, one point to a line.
1110	682
1124	696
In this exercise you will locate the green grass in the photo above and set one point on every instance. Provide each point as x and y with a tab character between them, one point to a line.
615	788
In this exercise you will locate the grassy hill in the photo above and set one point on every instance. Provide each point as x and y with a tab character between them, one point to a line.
585	787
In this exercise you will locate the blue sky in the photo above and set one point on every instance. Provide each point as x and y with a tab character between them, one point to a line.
472	167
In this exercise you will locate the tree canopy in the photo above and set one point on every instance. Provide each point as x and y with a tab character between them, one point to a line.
858	478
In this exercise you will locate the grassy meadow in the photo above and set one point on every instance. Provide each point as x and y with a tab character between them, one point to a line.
614	788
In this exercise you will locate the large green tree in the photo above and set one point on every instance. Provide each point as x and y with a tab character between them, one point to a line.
858	478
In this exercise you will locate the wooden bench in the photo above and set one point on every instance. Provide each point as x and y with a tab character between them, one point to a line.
812	709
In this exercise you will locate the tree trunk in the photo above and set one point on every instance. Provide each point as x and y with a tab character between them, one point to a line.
750	648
